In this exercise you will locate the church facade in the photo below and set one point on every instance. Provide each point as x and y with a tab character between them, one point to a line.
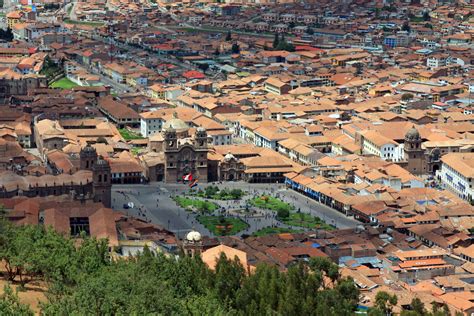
185	156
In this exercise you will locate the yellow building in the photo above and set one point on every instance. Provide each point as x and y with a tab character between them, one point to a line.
13	18
157	91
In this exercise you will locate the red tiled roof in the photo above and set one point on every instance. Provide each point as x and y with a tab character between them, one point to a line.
193	74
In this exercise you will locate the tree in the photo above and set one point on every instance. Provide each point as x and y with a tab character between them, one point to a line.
236	194
10	304
18	251
6	35
384	304
235	48
377	12
203	67
228	37
359	69
426	16
406	27
418	306
228	277
407	96
3	212
210	191
83	280
276	40
284	45
283	213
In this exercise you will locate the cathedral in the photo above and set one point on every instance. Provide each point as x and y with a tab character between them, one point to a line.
91	182
184	155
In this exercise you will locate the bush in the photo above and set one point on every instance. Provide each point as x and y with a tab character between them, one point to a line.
236	194
283	213
210	191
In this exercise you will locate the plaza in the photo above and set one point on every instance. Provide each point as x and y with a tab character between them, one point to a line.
154	203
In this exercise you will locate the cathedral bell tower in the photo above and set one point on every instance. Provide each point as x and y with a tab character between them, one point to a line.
414	153
201	138
87	156
200	146
171	139
102	182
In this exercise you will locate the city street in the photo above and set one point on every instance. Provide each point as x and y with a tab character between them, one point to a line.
153	202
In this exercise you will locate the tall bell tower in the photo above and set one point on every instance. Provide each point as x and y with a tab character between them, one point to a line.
87	156
102	182
201	148
414	153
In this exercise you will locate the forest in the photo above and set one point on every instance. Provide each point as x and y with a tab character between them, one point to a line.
83	279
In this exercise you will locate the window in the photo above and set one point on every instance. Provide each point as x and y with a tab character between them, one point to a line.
78	225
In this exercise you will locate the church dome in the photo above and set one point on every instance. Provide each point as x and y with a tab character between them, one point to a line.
193	236
101	161
412	134
229	156
88	149
175	124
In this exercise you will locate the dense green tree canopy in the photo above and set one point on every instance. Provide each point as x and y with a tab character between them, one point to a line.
83	280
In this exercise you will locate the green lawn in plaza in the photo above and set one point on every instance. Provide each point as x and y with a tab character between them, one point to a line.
213	192
306	221
63	83
270	203
222	226
199	205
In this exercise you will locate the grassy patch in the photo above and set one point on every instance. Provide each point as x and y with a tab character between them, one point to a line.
306	220
199	205
136	150
417	19
64	83
270	203
129	135
274	230
213	192
222	226
88	23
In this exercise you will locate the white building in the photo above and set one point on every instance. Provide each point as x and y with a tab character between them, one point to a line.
437	61
220	137
151	123
457	174
373	143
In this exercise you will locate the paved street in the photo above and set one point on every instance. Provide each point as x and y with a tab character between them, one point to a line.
154	203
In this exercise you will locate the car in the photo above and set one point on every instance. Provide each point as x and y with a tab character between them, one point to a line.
128	205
